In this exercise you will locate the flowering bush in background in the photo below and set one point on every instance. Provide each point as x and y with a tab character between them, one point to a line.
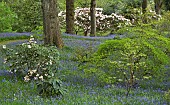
103	22
31	61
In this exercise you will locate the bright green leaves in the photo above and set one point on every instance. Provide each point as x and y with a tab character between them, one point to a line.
7	18
130	60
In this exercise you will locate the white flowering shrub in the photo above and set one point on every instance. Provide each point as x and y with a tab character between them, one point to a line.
103	22
31	61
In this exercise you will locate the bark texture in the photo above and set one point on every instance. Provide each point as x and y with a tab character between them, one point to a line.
52	34
93	18
70	16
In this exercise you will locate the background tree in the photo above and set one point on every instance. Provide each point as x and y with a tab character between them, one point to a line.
158	5
51	23
70	16
93	17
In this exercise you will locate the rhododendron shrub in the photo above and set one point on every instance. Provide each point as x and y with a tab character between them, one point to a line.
31	61
103	22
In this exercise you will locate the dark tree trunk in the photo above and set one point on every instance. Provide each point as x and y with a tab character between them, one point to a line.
93	18
70	16
52	34
144	6
158	5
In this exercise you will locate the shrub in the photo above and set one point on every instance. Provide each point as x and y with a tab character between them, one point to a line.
7	18
29	15
31	61
104	22
163	26
129	61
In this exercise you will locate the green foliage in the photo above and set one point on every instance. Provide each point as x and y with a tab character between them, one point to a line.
82	3
51	86
7	18
167	96
81	54
130	60
31	61
163	26
29	15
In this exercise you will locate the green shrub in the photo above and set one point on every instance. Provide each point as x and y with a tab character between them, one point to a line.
167	96
130	60
31	61
163	26
81	54
29	15
7	18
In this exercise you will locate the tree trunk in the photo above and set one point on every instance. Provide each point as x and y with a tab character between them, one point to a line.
144	6
158	5
70	16
93	18
52	34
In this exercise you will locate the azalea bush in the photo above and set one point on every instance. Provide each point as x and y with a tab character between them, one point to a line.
33	62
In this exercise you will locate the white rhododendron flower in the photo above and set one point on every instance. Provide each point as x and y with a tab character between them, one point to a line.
41	77
34	71
29	46
31	72
4	46
37	75
51	62
26	78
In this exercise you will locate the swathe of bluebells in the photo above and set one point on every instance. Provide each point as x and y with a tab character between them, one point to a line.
33	62
103	22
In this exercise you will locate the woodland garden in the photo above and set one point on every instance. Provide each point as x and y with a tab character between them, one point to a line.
84	52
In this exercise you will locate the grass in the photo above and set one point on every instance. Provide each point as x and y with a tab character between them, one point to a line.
80	91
